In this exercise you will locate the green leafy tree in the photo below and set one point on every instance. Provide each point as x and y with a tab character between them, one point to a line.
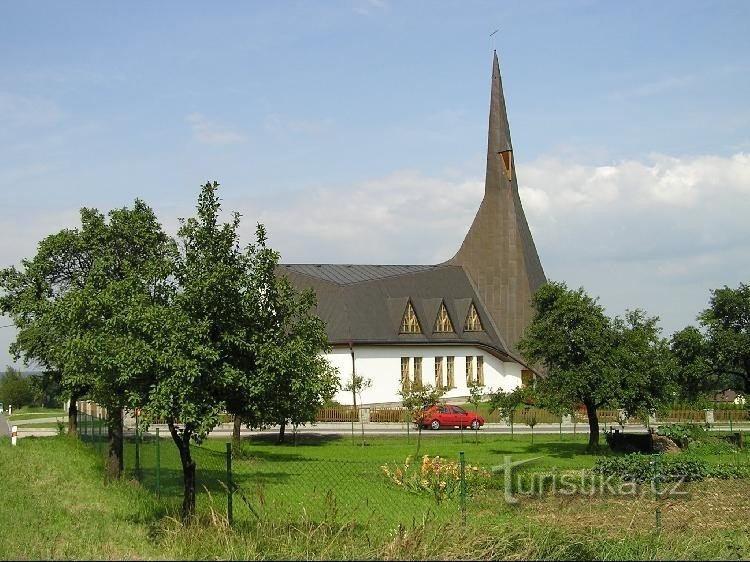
477	394
507	403
357	385
15	389
416	399
591	359
31	295
295	380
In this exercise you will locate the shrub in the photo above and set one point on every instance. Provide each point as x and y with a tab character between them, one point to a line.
645	468
683	433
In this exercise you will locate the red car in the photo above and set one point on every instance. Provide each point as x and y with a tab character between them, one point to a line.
448	415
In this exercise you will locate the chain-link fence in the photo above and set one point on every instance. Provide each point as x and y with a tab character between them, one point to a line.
261	485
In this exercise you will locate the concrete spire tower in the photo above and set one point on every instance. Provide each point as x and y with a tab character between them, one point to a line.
498	252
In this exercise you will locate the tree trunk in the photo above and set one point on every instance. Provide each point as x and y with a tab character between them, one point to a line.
593	445
282	430
188	471
73	416
115	464
236	432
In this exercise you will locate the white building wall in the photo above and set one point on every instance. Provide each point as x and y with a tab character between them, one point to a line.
382	364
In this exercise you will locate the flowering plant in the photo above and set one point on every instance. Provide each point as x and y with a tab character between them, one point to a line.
439	477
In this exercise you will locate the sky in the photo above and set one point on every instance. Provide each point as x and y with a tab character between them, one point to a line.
356	130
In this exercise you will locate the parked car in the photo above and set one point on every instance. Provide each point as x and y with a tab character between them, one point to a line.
448	415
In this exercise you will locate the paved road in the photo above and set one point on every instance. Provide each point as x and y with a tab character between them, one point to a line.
4	429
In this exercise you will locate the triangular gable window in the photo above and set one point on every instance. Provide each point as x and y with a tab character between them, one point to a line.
473	322
410	322
443	322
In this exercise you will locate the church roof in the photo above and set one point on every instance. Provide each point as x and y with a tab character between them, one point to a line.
343	274
371	311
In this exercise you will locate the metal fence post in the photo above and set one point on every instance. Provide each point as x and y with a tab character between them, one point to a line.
158	464
463	486
138	473
229	483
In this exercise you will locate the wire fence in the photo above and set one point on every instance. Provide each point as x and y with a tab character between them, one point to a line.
284	488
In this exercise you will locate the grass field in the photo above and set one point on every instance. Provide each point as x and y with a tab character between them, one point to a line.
56	505
30	413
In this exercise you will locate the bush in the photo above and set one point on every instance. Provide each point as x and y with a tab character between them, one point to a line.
645	468
683	433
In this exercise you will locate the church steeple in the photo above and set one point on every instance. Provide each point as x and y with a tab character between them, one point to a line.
498	252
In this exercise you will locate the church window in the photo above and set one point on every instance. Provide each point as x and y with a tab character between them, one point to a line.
473	322
480	370
417	372
507	157
410	322
443	323
450	372
469	370
405	373
439	383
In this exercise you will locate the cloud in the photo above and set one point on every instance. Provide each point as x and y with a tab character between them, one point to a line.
370	7
210	132
655	87
23	111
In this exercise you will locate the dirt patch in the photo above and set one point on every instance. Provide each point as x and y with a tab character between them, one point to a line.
706	507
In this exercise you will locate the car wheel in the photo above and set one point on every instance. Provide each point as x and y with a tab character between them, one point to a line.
475	425
435	424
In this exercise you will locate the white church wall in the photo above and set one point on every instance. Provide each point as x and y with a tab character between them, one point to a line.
382	364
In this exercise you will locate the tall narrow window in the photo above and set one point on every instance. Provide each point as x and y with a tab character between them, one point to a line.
480	370
439	383
507	157
450	372
443	322
410	322
405	373
473	322
417	372
469	370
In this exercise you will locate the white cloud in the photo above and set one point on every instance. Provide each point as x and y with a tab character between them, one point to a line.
210	132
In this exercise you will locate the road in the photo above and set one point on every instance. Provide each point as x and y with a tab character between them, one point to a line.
4	428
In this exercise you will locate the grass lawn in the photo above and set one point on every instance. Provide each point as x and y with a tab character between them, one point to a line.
38	425
328	498
29	413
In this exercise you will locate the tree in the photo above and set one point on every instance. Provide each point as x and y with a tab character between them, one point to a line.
591	359
718	357
357	385
15	389
294	379
727	324
476	394
196	332
507	403
416	400
32	293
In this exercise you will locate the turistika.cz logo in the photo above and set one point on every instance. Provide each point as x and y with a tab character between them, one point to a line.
580	483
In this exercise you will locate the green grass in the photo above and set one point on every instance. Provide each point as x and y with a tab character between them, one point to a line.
38	425
29	413
55	502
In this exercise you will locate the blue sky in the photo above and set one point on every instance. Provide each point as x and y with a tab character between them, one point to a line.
356	129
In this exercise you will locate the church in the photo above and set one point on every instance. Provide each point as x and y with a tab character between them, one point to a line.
452	324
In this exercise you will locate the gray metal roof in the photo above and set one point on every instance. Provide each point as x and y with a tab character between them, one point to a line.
343	274
370	310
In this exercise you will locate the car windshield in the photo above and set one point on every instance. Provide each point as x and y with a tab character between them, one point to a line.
458	410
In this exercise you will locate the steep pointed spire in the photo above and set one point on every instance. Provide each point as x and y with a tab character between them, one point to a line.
498	252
